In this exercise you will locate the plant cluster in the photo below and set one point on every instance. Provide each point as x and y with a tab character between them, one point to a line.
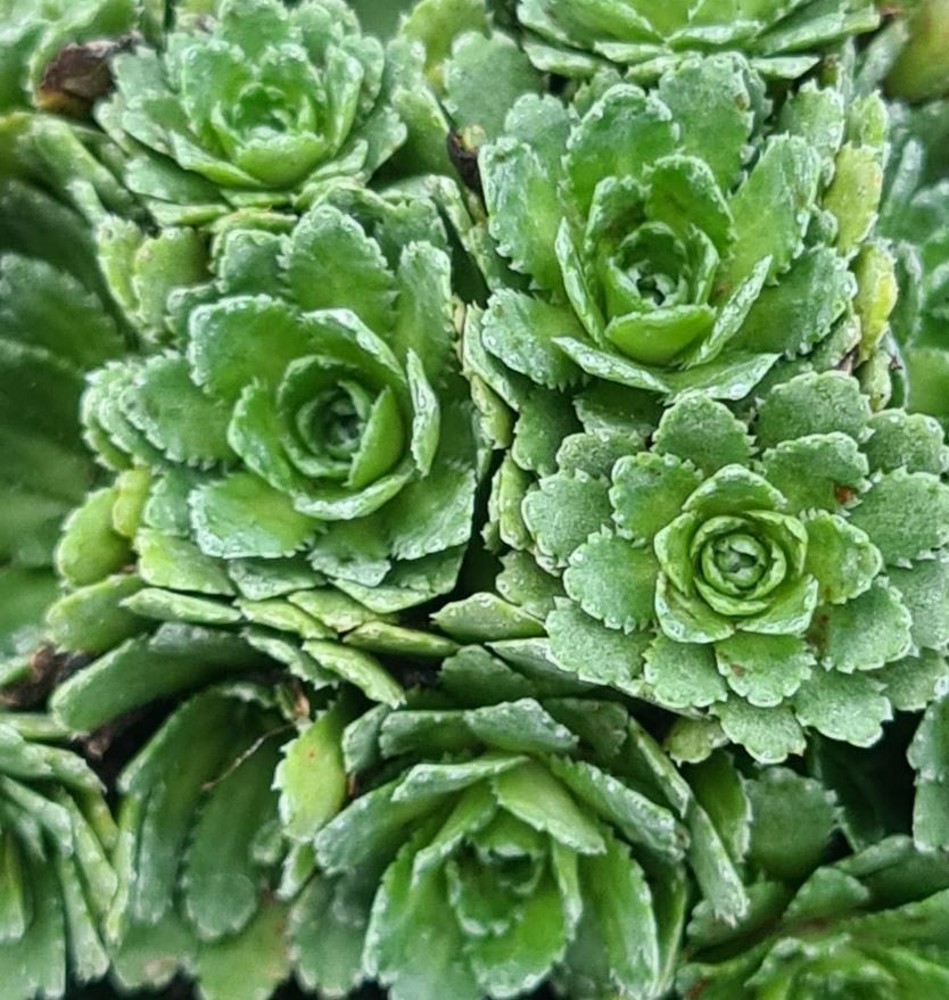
475	502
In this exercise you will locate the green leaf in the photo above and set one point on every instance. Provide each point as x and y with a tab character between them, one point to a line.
176	658
171	606
865	633
332	264
782	801
533	795
519	727
636	817
648	492
845	707
915	681
249	965
821	470
840	556
166	561
311	777
768	734
626	131
813	404
327	931
483	79
564	512
683	193
613	581
772	208
922	524
688	620
94	618
514	177
592	651
710	100
522	331
706	433
682	675
519	959
173	413
924	591
222	882
911	440
800	311
358	668
621	905
927	755
406	910
226	338
546	419
854	194
483	617
90	548
241	516
764	669
611	366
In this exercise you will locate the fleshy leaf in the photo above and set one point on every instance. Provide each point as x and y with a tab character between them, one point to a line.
682	675
768	734
764	669
613	581
843	707
648	492
703	432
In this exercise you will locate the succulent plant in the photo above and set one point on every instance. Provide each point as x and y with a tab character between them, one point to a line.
573	37
519	827
258	108
776	574
308	417
873	925
56	835
684	237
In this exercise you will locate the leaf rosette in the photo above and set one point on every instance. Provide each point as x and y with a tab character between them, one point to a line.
56	836
257	108
685	236
873	925
497	808
783	39
776	575
312	408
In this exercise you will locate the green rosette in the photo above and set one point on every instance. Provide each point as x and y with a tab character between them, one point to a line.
56	838
871	926
688	236
525	828
299	459
769	575
783	38
257	105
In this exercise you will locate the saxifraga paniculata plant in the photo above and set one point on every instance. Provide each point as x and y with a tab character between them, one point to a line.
56	876
520	826
307	425
783	39
873	926
687	236
257	105
775	573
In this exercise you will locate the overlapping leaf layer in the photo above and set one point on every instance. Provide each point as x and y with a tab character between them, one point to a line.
478	497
